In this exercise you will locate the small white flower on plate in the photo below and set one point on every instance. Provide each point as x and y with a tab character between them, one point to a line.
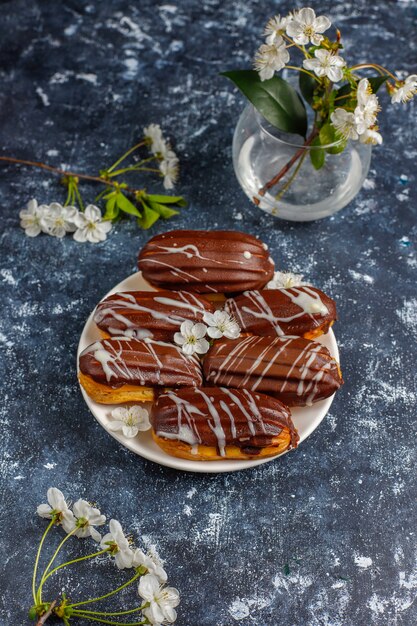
271	57
57	508
326	64
305	27
90	225
152	563
130	420
191	338
406	91
285	280
118	544
345	123
274	28
31	218
162	600
169	168
221	324
86	517
58	220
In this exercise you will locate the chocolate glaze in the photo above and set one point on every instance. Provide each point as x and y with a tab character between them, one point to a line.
220	417
206	261
297	371
273	312
153	314
122	360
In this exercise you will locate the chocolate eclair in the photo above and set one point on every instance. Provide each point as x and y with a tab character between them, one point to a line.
127	370
303	311
213	423
296	370
149	314
215	261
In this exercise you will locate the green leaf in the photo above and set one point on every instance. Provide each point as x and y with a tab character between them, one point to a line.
164	211
112	210
149	217
317	154
376	82
328	135
126	205
307	86
275	99
168	199
32	614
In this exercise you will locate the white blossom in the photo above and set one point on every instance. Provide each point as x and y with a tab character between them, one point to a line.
371	136
221	324
367	108
130	420
153	133
326	64
118	544
191	338
271	58
285	280
31	218
345	123
274	28
57	507
305	27
162	600
152	562
169	168
90	225
406	91
85	518
58	220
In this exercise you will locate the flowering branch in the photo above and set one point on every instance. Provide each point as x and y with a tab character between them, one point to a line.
158	602
345	105
121	199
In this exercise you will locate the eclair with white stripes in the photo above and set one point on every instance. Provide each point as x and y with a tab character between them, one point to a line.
122	369
295	370
303	311
214	423
149	314
206	261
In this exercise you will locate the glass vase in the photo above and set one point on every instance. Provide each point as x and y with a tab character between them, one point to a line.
262	153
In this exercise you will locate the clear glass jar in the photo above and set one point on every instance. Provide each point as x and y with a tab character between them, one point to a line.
261	151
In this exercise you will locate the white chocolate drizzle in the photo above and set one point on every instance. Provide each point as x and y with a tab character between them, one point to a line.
306	300
307	370
126	301
109	353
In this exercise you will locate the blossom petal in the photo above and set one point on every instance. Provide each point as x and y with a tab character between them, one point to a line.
199	330
44	510
130	431
201	346
321	24
80	235
148	587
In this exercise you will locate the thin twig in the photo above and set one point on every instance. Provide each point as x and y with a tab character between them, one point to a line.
48	613
57	170
286	167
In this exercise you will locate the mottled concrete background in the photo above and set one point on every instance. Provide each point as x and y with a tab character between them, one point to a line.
323	536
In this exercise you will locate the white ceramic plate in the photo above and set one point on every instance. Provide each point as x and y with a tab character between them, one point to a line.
306	419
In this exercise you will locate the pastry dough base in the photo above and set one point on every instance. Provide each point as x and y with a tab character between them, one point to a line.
210	453
103	394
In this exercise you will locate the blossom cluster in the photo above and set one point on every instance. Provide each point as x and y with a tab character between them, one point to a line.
285	280
361	123
57	220
161	148
356	119
81	521
130	420
219	324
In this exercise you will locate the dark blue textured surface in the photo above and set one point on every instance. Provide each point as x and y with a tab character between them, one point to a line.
323	536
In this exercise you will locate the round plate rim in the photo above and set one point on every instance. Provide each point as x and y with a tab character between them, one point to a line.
150	450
